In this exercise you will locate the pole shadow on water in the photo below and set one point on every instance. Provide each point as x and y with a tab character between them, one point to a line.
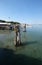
8	57
29	42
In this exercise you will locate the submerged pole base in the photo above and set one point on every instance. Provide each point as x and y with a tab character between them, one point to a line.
18	44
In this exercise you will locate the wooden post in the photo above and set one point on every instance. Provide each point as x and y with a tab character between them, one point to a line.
24	28
18	39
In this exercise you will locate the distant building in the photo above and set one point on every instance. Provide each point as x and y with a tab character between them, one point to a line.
5	26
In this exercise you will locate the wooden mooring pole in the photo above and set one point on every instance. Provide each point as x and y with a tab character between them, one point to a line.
18	37
24	28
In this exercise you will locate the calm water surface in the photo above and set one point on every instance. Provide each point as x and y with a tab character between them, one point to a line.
31	39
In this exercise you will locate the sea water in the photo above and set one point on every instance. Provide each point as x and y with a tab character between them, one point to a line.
31	40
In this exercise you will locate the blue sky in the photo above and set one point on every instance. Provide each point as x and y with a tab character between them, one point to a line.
24	11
